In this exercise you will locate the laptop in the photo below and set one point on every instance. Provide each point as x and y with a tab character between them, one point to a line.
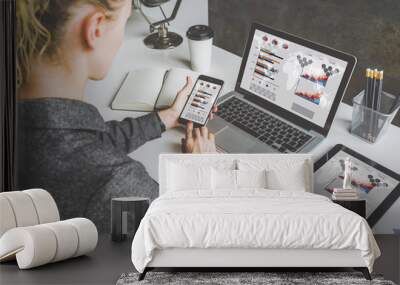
286	96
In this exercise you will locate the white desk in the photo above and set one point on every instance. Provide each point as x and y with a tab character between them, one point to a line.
225	65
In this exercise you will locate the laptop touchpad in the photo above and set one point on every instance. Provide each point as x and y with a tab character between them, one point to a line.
233	141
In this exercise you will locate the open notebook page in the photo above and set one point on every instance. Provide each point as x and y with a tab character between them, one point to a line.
174	81
140	90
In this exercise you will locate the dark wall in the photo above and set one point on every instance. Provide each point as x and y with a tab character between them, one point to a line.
7	96
368	29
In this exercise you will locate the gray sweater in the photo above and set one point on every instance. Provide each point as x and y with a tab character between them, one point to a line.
65	147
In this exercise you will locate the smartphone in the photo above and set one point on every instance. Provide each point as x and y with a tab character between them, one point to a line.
201	101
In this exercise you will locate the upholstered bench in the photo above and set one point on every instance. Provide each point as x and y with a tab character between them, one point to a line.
31	231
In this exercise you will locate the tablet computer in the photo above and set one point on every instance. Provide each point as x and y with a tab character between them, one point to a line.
378	185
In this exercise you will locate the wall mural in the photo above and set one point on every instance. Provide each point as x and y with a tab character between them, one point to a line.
379	186
332	23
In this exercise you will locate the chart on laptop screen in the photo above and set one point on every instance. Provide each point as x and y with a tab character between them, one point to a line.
299	79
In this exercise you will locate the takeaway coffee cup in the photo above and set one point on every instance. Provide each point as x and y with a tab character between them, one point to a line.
200	39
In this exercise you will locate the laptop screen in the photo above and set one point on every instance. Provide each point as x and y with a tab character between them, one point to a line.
299	79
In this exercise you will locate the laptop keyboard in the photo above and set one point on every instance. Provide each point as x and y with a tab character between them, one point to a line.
267	128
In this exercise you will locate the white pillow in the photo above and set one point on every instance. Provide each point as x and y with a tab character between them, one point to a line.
224	179
293	180
228	179
282	174
182	177
251	178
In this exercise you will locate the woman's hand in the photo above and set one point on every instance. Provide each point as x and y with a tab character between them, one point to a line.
170	116
198	141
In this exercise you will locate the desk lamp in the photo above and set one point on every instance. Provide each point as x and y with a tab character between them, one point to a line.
162	38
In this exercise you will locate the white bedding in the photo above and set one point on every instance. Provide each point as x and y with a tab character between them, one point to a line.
252	218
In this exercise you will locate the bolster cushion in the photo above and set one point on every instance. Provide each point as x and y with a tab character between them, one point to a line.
40	244
26	208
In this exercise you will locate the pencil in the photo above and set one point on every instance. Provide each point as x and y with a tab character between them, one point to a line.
371	136
376	89
375	76
367	86
378	105
370	88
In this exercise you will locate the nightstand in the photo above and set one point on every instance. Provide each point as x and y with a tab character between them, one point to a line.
357	206
126	214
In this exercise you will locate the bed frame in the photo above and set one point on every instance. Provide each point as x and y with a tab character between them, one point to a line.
242	260
246	259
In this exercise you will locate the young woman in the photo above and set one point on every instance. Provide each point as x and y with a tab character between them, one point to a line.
64	145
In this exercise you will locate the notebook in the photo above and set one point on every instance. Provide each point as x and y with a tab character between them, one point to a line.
150	89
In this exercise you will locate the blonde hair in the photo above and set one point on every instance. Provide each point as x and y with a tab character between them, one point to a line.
40	28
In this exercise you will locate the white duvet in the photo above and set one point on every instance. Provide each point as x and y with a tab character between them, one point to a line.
250	219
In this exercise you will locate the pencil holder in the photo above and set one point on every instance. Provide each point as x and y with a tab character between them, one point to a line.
369	124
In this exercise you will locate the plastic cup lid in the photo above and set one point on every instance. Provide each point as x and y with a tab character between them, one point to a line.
200	33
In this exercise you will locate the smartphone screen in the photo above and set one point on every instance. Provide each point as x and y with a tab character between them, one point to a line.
199	105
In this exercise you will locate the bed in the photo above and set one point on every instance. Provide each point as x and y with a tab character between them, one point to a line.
245	211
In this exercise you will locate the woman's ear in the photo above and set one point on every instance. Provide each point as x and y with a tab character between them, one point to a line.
93	29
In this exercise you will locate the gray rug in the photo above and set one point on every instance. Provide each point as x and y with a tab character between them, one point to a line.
244	278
